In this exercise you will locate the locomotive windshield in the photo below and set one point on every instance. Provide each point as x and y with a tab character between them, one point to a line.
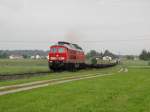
61	50
53	50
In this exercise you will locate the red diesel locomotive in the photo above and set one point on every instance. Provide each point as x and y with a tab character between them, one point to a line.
65	55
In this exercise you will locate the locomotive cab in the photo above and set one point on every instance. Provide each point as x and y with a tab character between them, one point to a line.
65	55
57	57
58	53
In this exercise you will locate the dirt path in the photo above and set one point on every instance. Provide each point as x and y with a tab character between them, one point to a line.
120	70
123	70
28	86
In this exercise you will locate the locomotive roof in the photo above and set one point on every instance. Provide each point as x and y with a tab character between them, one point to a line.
70	45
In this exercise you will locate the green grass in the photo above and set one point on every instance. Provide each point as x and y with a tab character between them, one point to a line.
121	92
149	63
8	66
135	63
59	75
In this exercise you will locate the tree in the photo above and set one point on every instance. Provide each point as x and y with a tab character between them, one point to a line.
3	54
130	57
94	53
145	55
25	56
108	53
94	61
149	63
91	54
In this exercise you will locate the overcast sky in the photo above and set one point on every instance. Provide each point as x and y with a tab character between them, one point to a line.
122	26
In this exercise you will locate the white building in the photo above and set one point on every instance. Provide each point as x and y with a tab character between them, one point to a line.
37	57
32	57
107	58
15	57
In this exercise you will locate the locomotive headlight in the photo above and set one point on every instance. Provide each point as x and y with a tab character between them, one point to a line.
61	58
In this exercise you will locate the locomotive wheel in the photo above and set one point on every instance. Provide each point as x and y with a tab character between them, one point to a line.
74	67
82	66
53	67
71	67
77	65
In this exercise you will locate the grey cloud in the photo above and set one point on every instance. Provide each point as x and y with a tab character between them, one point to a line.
86	20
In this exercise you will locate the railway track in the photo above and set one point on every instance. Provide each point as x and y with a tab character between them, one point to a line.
28	86
4	77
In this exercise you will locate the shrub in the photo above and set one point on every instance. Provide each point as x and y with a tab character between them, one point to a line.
94	61
149	63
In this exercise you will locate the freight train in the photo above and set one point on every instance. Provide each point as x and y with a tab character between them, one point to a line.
65	55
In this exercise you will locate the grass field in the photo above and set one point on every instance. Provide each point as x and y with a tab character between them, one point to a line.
120	92
135	63
60	75
8	66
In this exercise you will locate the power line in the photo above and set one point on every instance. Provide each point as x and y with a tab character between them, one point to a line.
86	41
116	40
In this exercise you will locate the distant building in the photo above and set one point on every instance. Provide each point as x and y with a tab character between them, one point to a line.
107	58
47	57
136	58
37	57
32	57
15	57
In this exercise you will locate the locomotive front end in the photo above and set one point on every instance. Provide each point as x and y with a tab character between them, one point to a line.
57	57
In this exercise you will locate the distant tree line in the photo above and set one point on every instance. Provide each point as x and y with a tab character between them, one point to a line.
3	54
145	55
130	57
94	53
24	53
